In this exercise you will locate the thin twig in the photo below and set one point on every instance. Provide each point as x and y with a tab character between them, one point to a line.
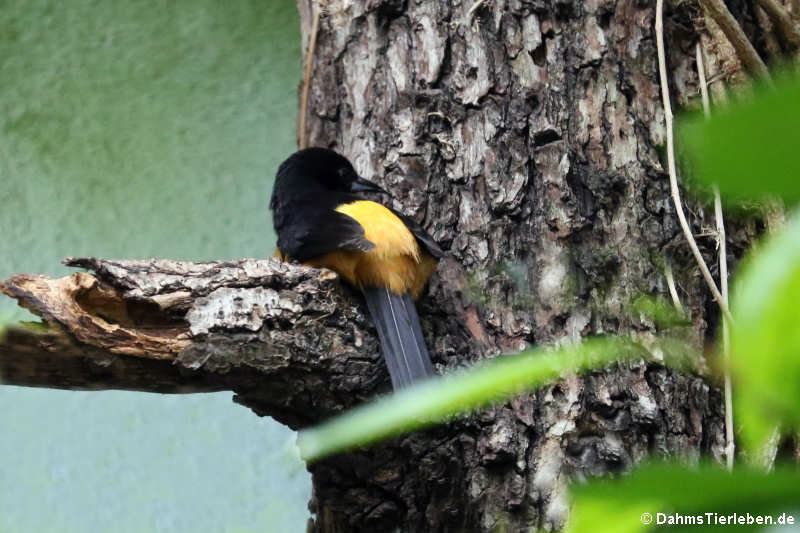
744	48
730	446
768	32
719	76
302	131
673	292
474	8
780	17
673	177
765	457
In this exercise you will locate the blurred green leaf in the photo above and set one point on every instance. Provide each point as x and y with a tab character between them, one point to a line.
749	149
658	311
619	505
765	341
435	400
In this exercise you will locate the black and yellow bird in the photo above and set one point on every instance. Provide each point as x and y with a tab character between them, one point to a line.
321	221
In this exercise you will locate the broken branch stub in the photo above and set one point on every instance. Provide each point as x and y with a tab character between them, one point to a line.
288	339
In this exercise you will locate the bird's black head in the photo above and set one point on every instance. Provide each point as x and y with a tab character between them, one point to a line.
320	169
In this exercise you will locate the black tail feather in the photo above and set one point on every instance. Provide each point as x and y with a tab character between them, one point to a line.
400	334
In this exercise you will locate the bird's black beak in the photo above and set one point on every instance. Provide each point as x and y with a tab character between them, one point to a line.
363	185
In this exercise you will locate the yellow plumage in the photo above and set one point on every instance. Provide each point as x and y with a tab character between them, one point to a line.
396	262
382	228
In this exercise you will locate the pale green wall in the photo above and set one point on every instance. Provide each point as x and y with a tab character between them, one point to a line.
138	129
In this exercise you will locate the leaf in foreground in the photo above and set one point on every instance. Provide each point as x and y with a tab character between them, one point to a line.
750	148
766	340
437	399
659	491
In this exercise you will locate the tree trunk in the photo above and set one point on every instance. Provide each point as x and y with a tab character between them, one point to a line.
526	137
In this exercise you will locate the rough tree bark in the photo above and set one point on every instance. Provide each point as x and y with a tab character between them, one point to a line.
525	136
289	340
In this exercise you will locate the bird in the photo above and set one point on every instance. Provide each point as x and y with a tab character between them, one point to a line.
322	220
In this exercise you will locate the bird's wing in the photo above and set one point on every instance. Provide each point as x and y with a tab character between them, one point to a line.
422	236
315	229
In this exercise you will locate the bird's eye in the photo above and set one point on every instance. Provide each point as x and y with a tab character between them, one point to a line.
342	171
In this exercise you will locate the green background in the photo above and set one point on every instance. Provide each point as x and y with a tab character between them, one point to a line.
142	129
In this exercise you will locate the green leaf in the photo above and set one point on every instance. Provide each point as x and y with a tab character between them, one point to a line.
657	310
749	149
765	340
435	400
663	490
